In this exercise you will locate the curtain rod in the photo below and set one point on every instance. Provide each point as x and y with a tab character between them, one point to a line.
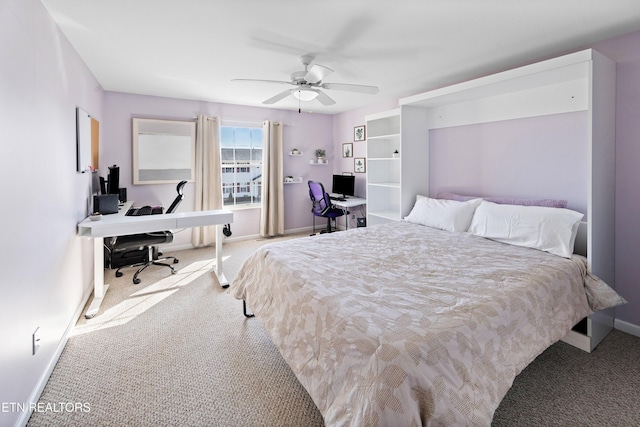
248	122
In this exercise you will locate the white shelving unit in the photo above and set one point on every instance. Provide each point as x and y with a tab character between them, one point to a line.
579	82
389	188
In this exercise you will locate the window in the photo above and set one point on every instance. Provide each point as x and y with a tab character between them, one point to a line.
241	155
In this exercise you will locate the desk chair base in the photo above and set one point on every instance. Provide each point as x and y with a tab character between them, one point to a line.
151	260
329	228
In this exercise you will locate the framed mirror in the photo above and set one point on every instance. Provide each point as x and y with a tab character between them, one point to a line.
163	151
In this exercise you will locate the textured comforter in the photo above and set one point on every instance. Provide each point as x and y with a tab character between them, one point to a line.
405	325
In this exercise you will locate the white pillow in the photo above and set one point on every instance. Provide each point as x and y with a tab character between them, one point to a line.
547	229
449	215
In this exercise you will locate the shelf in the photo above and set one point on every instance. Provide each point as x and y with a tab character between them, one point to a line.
296	181
384	184
389	136
298	154
392	215
311	162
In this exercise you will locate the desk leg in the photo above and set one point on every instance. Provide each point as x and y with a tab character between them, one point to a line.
221	277
99	288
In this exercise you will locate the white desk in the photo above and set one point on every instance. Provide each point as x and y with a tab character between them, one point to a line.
350	202
119	225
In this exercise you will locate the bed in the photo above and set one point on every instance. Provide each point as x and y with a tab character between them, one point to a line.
405	324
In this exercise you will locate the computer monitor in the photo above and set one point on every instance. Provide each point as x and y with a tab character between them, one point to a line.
344	185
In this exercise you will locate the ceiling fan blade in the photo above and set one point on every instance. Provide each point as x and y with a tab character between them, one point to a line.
262	81
317	73
278	97
325	99
371	90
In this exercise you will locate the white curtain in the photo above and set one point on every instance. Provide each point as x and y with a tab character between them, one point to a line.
208	176
272	218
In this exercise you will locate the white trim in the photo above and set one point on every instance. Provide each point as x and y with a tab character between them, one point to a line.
627	327
44	378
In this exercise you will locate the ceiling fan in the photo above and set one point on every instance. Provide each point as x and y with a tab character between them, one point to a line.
309	82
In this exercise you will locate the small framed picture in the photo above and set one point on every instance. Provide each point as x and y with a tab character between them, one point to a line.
347	149
359	133
359	165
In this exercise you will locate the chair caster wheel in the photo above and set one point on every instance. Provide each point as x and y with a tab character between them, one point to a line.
174	271
118	273
175	261
136	281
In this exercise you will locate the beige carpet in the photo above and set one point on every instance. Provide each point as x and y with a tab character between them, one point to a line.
177	351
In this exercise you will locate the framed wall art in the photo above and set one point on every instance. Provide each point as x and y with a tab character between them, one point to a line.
347	149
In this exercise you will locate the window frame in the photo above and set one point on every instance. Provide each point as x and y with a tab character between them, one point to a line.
239	167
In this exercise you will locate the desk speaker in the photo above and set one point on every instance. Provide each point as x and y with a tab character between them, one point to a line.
105	204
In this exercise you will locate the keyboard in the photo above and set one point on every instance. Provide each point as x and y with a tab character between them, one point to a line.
145	210
338	199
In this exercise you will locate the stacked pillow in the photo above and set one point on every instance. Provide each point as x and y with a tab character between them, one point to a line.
544	228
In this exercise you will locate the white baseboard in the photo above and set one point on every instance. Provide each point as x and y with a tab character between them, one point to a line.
627	327
44	378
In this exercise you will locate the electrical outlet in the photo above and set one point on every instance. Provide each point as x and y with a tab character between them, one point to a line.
35	340
353	216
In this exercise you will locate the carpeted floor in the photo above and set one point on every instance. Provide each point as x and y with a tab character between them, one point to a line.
177	351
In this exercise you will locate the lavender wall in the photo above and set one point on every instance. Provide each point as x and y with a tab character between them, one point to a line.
306	132
538	157
46	269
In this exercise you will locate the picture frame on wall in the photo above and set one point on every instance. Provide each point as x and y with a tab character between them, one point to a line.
359	133
359	165
347	149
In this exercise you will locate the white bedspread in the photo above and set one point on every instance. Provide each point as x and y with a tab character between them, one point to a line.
405	325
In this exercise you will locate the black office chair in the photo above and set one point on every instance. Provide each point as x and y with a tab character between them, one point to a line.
144	245
322	205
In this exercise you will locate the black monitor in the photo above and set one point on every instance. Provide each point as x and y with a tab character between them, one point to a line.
344	185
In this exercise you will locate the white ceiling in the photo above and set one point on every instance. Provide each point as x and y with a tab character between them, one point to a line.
191	49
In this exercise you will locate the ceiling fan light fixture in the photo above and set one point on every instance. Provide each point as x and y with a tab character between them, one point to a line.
305	94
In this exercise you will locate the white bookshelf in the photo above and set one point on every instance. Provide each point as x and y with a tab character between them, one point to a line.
389	188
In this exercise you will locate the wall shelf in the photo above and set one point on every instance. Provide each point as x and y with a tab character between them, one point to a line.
295	181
